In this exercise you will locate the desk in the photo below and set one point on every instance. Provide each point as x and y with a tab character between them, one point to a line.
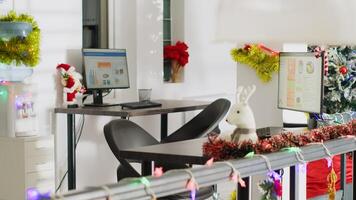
183	152
187	152
190	152
168	106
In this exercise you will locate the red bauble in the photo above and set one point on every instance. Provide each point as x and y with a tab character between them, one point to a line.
343	70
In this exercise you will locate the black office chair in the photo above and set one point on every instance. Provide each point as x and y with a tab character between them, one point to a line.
203	123
124	134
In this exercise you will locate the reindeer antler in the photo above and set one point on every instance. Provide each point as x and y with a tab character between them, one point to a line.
247	93
238	93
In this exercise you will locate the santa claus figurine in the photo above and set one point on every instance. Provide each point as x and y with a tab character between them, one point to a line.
70	80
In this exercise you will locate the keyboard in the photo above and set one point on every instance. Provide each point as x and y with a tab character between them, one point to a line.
140	104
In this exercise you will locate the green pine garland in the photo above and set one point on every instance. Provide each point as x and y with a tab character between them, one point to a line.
266	187
264	64
17	50
339	88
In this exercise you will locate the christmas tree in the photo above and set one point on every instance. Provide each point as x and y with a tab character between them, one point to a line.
339	79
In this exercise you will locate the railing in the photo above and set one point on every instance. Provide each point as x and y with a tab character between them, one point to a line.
173	182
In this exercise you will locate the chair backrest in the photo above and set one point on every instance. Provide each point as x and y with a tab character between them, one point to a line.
202	124
124	134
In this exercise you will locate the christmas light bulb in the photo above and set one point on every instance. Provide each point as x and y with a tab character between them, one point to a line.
3	93
210	162
192	194
158	172
34	194
329	161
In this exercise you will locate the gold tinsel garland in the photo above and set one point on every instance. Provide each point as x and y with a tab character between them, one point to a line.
24	51
258	57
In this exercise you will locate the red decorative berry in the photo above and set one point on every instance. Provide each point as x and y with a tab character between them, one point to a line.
343	70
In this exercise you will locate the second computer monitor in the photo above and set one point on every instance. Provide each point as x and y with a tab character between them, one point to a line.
300	85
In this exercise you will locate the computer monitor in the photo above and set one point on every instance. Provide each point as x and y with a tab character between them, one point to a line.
300	82
105	69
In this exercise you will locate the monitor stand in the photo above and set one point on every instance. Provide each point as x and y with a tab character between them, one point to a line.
98	100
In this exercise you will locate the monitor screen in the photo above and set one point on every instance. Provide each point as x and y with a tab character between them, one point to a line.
300	82
105	68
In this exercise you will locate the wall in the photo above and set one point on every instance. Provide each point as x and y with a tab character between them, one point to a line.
5	6
210	69
177	22
281	21
60	24
61	41
208	59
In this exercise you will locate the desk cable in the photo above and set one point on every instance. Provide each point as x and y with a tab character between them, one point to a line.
80	131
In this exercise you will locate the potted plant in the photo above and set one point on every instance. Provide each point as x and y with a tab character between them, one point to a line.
179	56
19	46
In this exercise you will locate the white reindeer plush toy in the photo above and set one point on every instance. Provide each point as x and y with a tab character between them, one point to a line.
242	117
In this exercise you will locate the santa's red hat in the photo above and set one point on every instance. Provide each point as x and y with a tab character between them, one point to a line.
65	67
